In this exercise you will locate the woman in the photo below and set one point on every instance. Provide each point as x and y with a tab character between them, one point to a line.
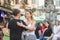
30	33
1	26
5	29
42	28
56	31
48	30
6	32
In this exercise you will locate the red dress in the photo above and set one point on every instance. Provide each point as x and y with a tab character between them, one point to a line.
42	28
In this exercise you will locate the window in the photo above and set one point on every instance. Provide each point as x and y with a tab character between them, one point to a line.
25	1
57	3
33	1
41	2
17	1
6	1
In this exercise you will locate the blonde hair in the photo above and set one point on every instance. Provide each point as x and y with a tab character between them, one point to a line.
30	13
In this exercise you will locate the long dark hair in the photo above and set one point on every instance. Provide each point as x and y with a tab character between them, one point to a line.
49	24
43	24
30	13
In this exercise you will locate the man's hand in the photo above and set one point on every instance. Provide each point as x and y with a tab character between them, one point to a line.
20	24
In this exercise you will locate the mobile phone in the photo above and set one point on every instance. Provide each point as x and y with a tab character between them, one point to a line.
2	14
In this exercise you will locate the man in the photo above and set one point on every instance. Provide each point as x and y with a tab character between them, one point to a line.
15	30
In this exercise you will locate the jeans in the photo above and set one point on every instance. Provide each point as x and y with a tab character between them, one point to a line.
42	37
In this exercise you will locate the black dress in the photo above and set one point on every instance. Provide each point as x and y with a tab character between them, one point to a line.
36	31
15	30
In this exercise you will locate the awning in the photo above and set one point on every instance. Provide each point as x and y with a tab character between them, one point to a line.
5	9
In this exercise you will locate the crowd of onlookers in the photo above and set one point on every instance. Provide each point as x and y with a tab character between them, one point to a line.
4	26
32	30
48	32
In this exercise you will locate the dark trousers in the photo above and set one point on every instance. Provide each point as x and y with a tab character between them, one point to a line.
1	38
15	38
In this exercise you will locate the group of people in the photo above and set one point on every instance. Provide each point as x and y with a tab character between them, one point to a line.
3	27
28	28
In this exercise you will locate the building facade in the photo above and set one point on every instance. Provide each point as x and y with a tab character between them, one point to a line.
42	6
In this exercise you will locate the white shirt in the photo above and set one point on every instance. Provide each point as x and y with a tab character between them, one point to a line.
56	29
28	32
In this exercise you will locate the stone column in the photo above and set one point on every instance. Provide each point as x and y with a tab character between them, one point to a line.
29	2
2	2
